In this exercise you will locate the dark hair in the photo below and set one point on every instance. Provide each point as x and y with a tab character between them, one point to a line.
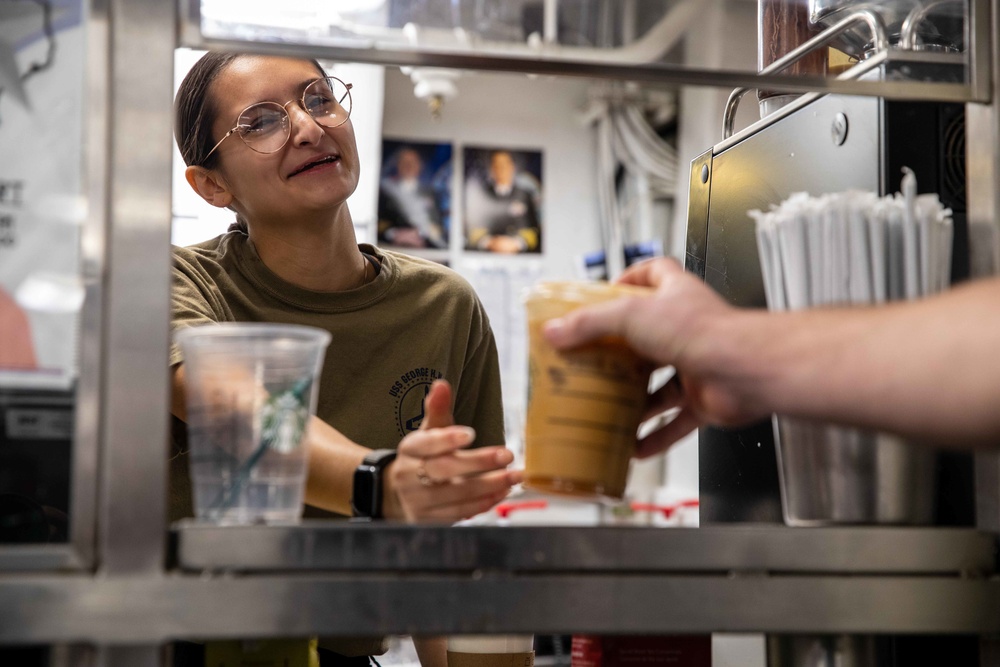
195	110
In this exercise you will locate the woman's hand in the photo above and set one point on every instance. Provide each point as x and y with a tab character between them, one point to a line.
435	478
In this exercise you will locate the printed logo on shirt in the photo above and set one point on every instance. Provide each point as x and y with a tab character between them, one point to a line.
409	391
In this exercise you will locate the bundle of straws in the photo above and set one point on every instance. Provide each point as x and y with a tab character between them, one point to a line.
854	248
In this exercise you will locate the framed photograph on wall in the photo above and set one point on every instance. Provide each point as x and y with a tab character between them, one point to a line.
414	199
503	200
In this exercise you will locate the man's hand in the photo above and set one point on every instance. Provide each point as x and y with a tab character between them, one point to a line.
435	478
683	324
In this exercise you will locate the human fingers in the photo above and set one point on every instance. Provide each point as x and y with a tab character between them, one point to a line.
669	396
467	462
651	273
437	406
428	443
586	324
661	439
447	499
459	490
463	510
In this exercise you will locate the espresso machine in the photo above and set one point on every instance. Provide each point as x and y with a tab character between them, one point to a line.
824	144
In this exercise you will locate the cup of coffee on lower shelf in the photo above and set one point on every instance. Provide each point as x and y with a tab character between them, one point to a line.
491	651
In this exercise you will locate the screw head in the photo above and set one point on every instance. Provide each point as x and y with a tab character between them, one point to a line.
704	173
839	129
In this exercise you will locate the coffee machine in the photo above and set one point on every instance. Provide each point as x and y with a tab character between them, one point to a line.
830	144
821	144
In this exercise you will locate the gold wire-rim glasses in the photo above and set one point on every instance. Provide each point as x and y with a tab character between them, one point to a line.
285	118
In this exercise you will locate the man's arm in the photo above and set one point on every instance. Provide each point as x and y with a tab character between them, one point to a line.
921	369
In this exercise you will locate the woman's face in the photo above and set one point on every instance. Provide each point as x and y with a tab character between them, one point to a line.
281	184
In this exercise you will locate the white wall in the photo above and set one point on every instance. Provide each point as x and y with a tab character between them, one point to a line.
515	111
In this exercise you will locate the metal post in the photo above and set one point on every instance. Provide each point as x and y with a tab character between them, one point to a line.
983	169
132	506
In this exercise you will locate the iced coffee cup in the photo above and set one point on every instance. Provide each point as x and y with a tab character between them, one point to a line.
491	651
585	404
250	392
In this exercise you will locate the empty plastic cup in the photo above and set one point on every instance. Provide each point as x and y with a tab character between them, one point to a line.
250	392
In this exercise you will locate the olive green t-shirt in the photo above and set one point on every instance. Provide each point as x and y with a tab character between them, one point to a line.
415	322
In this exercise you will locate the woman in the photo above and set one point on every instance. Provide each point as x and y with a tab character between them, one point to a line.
271	139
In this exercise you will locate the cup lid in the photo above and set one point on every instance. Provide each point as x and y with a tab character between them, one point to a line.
582	291
253	332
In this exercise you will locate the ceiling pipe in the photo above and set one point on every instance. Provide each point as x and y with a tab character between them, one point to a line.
649	48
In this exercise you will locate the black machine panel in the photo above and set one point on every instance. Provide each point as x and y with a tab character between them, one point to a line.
802	152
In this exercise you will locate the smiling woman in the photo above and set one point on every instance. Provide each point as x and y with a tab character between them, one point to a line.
272	140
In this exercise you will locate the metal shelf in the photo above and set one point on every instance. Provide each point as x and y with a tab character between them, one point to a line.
149	610
333	546
313	43
321	578
332	578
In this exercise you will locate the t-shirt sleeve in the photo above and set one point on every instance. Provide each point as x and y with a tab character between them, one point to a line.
479	398
194	298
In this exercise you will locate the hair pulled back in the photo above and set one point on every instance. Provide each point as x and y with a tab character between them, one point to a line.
195	109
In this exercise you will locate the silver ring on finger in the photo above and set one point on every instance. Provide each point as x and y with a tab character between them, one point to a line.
424	478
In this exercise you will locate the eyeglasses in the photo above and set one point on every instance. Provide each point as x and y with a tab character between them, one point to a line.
265	126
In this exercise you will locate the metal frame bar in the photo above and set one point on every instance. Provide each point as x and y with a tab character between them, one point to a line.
930	581
83	532
320	546
132	523
983	174
657	73
867	16
982	31
151	610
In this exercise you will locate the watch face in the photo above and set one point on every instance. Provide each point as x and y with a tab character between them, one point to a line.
366	490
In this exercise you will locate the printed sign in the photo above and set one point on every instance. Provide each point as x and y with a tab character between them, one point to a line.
42	56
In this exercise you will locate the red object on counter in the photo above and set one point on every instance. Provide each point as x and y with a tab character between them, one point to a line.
667	510
673	650
504	510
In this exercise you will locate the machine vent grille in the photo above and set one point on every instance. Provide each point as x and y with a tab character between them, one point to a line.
953	162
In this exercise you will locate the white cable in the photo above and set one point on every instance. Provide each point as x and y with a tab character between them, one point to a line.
650	166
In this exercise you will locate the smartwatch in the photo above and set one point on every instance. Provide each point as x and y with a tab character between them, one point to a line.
366	496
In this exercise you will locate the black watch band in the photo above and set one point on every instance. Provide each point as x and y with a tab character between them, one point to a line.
367	493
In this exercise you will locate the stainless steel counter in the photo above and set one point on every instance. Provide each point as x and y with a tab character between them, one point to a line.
332	546
320	578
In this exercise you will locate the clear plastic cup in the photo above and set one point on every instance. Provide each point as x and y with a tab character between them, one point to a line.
250	391
584	405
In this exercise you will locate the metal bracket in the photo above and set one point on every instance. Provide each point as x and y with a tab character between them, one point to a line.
867	16
908	33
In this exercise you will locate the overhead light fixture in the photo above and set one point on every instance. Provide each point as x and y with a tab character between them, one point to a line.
433	85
